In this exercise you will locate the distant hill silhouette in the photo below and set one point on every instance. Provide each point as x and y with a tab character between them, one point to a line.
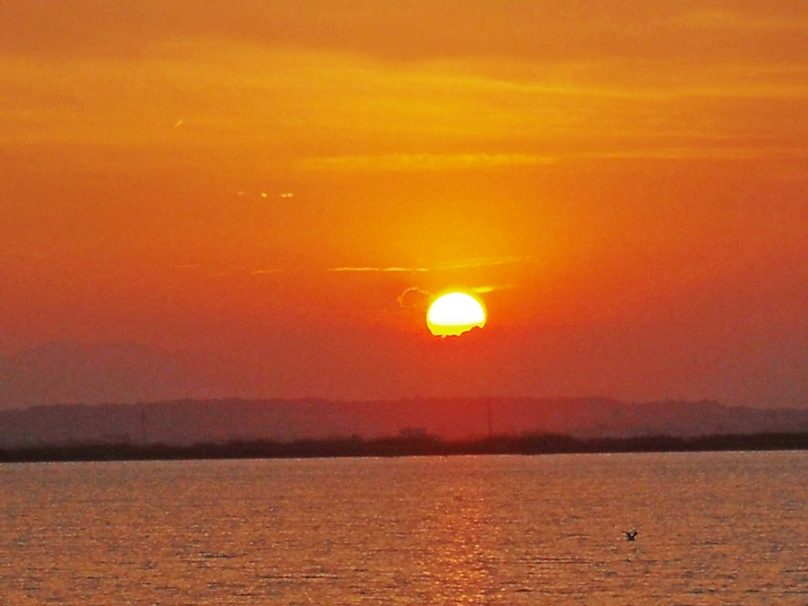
189	422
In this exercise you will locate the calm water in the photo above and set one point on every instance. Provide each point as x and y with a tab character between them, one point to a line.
721	528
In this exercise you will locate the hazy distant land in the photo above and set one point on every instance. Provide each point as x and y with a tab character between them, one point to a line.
233	427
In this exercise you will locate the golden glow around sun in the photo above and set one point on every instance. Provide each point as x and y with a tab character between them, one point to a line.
455	313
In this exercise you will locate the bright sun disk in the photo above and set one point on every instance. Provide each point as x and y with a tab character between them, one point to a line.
455	313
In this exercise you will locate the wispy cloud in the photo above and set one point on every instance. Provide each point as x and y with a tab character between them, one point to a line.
448	266
438	162
525	113
487	288
267	271
422	162
700	153
414	298
368	269
732	20
481	262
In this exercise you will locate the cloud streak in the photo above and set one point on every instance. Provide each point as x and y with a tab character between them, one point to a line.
422	162
448	266
367	269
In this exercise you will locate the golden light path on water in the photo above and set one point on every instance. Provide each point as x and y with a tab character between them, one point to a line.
714	529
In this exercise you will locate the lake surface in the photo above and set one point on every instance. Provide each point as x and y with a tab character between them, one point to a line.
714	528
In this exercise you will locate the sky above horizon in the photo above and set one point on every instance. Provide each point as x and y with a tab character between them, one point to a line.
267	193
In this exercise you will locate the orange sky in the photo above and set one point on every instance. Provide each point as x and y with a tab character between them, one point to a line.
623	183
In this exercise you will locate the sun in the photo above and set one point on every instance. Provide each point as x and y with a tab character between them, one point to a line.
454	313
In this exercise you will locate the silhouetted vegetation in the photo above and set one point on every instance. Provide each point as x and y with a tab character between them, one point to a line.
406	445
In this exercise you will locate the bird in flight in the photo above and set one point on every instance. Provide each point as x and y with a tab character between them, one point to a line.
630	534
